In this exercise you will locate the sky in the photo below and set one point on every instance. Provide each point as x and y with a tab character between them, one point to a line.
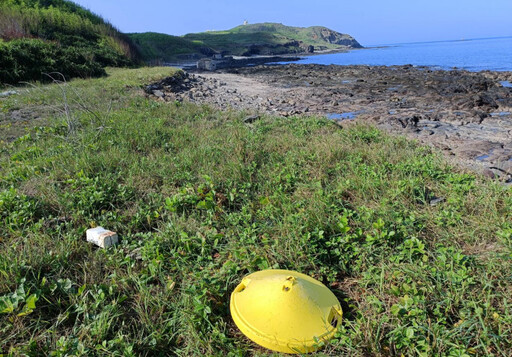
371	22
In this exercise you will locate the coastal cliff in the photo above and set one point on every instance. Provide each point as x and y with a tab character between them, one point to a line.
244	40
334	38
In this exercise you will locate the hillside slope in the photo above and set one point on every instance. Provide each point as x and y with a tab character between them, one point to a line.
43	36
159	47
256	39
273	38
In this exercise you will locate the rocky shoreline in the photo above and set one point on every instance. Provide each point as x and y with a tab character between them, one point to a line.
465	114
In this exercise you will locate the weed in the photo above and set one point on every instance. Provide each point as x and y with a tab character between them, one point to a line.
199	200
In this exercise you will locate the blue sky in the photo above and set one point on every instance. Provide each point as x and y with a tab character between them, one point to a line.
369	21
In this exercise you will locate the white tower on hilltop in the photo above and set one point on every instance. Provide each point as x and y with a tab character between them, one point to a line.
246	22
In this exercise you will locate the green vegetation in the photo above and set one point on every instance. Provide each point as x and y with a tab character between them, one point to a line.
200	199
42	36
155	47
272	38
257	39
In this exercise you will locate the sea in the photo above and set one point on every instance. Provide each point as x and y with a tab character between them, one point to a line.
472	54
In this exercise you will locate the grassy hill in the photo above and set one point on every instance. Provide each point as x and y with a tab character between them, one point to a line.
256	39
43	36
155	47
273	38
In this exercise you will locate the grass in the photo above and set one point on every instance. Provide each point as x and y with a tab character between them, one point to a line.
161	47
35	105
200	199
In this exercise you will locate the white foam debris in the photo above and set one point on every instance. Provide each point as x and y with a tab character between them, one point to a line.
8	93
101	237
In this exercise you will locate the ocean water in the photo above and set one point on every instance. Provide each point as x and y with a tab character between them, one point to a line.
474	55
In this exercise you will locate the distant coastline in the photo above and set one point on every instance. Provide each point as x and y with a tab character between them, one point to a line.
485	54
492	54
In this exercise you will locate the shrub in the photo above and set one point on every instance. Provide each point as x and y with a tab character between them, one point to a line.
31	59
57	36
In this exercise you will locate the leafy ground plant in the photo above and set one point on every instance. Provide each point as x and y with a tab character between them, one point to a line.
200	199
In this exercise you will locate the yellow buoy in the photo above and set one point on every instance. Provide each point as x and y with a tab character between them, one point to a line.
285	311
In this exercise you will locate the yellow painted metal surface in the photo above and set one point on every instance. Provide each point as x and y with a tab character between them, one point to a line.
285	311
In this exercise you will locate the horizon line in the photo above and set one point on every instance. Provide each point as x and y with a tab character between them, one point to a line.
437	41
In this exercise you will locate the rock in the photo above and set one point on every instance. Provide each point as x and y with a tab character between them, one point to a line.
489	173
436	200
485	100
251	119
426	132
409	122
158	93
152	87
505	167
500	174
